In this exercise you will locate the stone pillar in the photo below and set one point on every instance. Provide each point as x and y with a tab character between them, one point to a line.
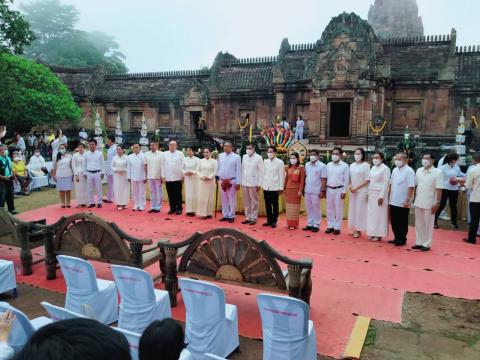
279	104
323	117
314	118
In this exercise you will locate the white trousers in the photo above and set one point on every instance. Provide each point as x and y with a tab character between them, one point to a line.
138	195
110	188
94	187
334	208
156	193
229	202
314	213
424	221
298	134
250	202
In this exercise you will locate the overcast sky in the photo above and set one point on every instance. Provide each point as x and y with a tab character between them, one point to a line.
158	35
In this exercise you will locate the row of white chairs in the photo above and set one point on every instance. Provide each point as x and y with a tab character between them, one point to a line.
8	281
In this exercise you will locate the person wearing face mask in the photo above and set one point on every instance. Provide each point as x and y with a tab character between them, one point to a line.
299	125
206	170
377	209
37	164
338	178
80	174
252	177
359	178
402	186
315	189
273	183
452	176
62	173
428	192
294	185
21	173
137	177
6	181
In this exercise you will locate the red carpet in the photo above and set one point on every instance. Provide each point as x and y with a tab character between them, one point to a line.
350	276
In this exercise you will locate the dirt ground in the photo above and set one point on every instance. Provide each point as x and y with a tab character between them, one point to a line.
433	327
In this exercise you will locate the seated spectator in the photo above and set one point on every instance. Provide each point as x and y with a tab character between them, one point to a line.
75	339
21	173
164	337
38	167
6	322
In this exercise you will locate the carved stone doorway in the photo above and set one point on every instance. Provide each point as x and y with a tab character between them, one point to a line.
339	119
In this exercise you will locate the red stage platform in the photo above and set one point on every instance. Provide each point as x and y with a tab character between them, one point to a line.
350	276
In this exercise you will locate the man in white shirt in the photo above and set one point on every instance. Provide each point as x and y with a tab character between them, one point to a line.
172	176
402	186
136	174
83	135
473	185
273	183
229	172
284	123
20	143
252	176
37	164
94	165
428	192
111	152
315	185
153	165
338	179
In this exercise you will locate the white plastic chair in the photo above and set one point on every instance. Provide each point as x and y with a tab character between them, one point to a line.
140	302
287	331
133	341
215	357
87	295
7	277
58	313
37	181
211	325
22	328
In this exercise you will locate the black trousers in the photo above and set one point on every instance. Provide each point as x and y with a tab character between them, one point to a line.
474	221
6	194
452	197
271	205
399	220
174	191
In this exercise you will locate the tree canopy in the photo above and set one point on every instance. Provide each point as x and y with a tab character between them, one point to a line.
15	31
31	95
59	42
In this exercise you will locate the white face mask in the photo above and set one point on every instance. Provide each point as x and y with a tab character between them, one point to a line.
425	162
376	162
453	164
358	157
293	161
250	152
398	163
270	155
313	158
37	154
16	159
335	157
62	151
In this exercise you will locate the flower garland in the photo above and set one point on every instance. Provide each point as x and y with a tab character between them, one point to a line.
377	130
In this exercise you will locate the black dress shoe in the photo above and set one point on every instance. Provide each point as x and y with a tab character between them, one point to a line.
400	243
252	222
424	248
190	214
244	222
223	219
151	211
99	206
274	225
308	228
329	230
179	212
392	241
170	212
14	212
266	224
436	226
417	247
314	229
336	232
231	220
91	206
469	241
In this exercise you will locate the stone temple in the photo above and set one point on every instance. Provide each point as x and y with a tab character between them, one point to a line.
356	71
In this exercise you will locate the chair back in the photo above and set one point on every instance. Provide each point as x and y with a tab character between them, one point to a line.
22	328
134	285
79	275
58	313
203	301
133	341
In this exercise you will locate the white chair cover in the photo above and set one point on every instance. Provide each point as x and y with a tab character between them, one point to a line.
22	327
49	166
37	181
58	313
87	295
140	302
287	331
7	276
133	341
215	357
211	325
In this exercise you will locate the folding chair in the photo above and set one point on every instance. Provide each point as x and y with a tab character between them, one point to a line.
211	325
87	295
140	302
287	331
23	328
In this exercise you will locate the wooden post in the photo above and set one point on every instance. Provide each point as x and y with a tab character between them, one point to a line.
25	252
171	279
50	260
294	273
162	264
137	257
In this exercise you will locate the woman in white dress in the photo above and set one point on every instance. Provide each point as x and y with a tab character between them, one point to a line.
121	187
191	181
206	170
359	178
63	175
79	172
377	220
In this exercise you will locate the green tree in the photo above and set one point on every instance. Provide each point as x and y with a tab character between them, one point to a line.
32	95
59	42
15	32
